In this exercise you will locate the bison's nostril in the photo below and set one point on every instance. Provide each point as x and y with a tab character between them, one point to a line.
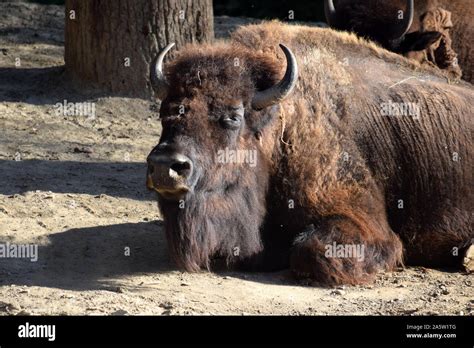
169	169
181	168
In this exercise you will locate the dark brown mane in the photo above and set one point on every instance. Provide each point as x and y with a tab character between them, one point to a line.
220	224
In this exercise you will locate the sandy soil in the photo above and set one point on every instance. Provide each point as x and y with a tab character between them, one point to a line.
74	185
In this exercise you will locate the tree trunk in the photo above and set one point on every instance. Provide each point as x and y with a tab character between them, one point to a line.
111	43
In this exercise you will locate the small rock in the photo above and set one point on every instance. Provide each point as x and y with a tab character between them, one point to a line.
410	311
166	305
69	296
119	312
8	307
48	195
83	149
468	261
338	292
119	289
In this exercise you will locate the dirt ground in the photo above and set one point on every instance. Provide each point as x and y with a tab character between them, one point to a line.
75	186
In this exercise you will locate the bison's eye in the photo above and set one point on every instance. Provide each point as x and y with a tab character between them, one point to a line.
231	121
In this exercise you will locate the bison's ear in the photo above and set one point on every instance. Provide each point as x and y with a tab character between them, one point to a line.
257	121
418	41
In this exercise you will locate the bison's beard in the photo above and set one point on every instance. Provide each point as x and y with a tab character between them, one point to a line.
223	224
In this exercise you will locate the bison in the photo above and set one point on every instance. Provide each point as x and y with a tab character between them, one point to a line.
420	32
362	159
462	33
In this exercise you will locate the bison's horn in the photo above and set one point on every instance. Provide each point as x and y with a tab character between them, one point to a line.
330	12
282	89
158	80
405	24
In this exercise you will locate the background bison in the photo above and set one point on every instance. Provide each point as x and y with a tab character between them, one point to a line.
421	30
333	168
462	33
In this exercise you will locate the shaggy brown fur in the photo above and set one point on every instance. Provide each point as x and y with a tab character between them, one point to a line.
428	40
331	168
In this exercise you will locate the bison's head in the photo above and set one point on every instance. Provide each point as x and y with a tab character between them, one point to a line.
439	51
211	166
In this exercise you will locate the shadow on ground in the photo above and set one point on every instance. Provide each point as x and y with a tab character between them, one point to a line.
95	258
92	258
117	179
48	85
27	85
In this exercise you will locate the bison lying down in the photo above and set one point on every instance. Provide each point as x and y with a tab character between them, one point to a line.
419	30
360	148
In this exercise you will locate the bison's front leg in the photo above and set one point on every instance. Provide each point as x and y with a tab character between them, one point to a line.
344	250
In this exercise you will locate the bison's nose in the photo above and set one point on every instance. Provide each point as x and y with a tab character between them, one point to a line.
169	173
